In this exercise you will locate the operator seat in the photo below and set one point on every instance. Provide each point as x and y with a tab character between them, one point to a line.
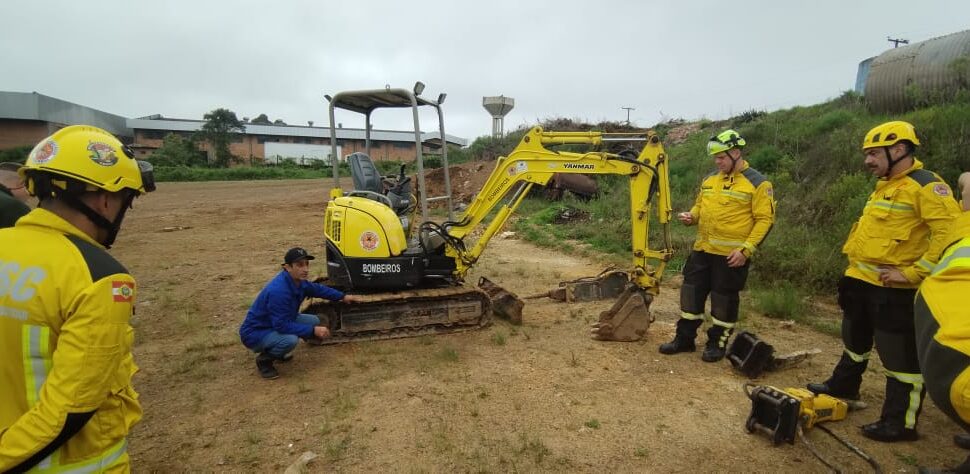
364	173
369	183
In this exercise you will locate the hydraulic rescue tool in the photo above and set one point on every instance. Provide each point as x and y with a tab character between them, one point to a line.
751	356
783	415
413	282
608	284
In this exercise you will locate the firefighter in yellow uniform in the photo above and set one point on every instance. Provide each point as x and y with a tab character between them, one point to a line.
943	325
734	211
66	402
892	247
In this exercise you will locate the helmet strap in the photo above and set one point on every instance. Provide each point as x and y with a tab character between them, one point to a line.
97	219
734	161
891	162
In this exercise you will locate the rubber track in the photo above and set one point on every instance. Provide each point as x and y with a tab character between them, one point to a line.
326	310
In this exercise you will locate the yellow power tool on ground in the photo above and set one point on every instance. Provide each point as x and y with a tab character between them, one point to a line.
778	413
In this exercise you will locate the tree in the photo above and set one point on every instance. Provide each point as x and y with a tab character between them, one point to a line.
261	119
279	122
221	125
177	151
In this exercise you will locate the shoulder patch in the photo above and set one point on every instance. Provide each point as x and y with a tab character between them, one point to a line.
923	177
100	263
754	176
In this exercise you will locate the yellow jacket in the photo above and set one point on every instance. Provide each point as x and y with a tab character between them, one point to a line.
66	401
904	224
945	290
944	295
733	211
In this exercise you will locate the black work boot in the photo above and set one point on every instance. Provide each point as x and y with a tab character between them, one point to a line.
899	402
963	468
264	363
684	337
962	440
845	380
888	431
716	347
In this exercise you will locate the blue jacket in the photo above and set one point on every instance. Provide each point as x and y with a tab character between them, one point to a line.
277	306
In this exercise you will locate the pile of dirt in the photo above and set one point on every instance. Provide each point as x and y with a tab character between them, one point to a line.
466	180
680	133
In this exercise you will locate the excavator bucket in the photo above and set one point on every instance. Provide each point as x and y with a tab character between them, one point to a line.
628	319
505	304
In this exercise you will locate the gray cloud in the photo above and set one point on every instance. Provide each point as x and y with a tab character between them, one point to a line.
585	60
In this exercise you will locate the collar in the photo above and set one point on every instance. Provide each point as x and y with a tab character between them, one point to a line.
917	165
41	217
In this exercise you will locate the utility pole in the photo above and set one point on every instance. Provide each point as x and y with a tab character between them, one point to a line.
896	41
628	109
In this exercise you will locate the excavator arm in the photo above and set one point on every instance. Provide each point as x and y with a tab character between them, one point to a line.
531	162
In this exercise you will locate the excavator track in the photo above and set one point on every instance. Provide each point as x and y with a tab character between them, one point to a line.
404	314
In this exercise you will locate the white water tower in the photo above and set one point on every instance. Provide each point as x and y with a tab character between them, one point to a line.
498	106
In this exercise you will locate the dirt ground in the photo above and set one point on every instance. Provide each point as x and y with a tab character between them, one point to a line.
536	397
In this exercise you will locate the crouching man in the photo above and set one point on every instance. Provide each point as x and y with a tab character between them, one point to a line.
274	324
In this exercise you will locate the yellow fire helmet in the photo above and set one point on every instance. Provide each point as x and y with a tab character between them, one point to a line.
889	134
724	141
91	158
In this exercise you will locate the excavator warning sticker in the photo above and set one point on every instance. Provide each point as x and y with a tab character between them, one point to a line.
369	241
518	168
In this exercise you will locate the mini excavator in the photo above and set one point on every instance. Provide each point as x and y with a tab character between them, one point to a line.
412	277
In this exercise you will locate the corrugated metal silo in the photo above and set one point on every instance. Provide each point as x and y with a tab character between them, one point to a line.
900	78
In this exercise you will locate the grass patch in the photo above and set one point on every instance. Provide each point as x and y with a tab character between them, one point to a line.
533	448
498	338
783	301
447	354
592	424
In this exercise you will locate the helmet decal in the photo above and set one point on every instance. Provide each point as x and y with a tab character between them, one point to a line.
46	153
102	153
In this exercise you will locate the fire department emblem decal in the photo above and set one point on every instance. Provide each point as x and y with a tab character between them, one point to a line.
941	190
102	153
369	241
46	152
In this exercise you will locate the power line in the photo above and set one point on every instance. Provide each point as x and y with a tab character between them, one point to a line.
897	41
628	109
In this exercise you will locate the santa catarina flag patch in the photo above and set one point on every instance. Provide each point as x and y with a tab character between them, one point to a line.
122	291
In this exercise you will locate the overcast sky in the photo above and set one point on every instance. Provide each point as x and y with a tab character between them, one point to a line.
582	60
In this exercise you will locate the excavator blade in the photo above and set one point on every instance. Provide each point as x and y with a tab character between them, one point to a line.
627	320
403	314
505	304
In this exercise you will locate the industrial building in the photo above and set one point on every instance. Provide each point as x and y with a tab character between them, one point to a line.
26	118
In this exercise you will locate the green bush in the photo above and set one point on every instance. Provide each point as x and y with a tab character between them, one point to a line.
781	301
16	154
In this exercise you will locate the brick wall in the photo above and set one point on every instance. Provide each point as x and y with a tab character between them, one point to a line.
15	133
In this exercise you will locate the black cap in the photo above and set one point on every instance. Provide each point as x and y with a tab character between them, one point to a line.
294	254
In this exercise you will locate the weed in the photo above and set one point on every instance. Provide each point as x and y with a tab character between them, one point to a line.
483	394
640	452
498	338
781	302
336	449
253	437
426	340
302	387
592	423
533	447
906	458
447	354
576	313
573	360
